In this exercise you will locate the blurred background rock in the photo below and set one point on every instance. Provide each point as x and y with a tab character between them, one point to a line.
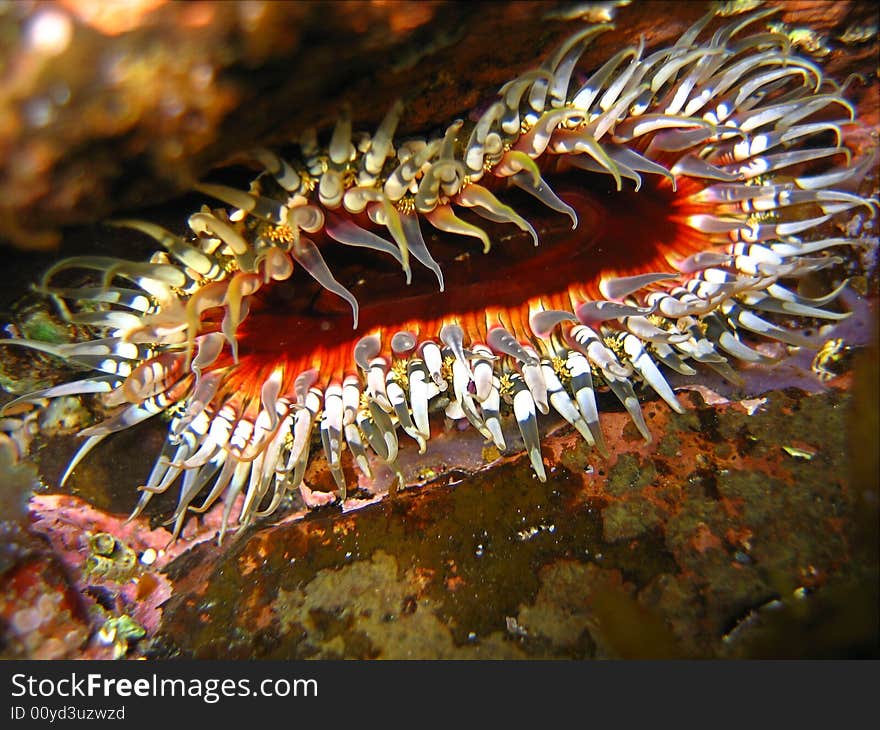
115	105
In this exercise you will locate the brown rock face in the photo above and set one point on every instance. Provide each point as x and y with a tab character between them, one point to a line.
110	107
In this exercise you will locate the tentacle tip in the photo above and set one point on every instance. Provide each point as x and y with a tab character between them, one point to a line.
135	513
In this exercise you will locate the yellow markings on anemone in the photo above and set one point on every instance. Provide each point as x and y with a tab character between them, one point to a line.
181	293
307	181
406	205
446	368
658	320
613	343
505	386
280	234
398	373
560	367
349	177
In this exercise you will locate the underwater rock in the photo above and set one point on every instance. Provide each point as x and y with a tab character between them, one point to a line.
106	107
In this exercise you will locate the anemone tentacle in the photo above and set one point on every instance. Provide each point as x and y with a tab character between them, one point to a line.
741	141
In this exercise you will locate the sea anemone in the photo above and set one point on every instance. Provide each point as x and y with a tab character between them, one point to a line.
653	214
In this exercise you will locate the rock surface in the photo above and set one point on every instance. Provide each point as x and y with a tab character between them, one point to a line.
107	107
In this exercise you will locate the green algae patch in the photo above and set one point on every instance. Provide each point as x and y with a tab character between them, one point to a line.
630	474
629	519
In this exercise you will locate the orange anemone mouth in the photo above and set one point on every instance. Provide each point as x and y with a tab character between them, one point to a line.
299	325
